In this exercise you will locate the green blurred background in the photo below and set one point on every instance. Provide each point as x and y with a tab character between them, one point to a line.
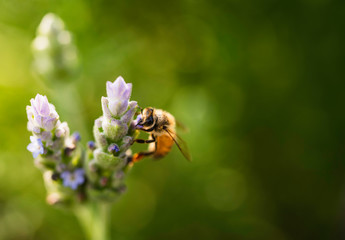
260	85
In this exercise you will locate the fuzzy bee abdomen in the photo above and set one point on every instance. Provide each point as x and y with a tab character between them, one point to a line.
164	145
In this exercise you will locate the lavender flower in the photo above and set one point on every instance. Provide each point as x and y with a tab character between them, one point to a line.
54	51
114	133
95	174
64	158
73	179
118	112
36	146
118	94
41	114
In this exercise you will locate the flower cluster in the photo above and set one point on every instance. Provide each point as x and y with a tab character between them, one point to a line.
69	172
56	153
114	133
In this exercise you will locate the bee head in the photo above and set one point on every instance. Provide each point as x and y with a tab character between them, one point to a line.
147	120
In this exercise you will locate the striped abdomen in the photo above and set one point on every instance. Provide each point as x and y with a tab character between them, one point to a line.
164	145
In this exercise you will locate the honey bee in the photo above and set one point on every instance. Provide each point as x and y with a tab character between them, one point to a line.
161	126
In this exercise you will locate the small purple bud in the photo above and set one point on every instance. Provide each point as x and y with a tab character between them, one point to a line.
113	148
76	137
91	145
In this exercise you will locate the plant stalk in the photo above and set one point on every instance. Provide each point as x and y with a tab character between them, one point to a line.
94	219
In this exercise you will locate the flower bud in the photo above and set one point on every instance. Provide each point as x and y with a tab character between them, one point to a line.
117	101
55	55
41	114
113	148
91	145
118	95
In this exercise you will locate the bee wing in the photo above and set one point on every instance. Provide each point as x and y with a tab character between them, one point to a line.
181	126
182	145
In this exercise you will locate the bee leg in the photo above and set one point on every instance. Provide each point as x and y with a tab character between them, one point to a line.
140	155
145	141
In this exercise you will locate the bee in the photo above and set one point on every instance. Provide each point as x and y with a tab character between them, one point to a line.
161	126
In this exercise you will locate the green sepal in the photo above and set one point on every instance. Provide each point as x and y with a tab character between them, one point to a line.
114	131
106	160
101	140
45	163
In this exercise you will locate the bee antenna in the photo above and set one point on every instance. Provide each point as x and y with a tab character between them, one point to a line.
141	109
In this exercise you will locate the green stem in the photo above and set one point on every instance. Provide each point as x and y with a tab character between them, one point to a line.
94	218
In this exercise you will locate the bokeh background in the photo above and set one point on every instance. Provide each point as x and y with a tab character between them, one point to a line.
260	84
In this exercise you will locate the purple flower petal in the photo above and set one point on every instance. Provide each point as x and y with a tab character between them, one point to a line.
127	93
117	107
118	94
110	89
130	113
115	89
73	179
43	105
49	123
119	86
105	108
46	136
36	146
